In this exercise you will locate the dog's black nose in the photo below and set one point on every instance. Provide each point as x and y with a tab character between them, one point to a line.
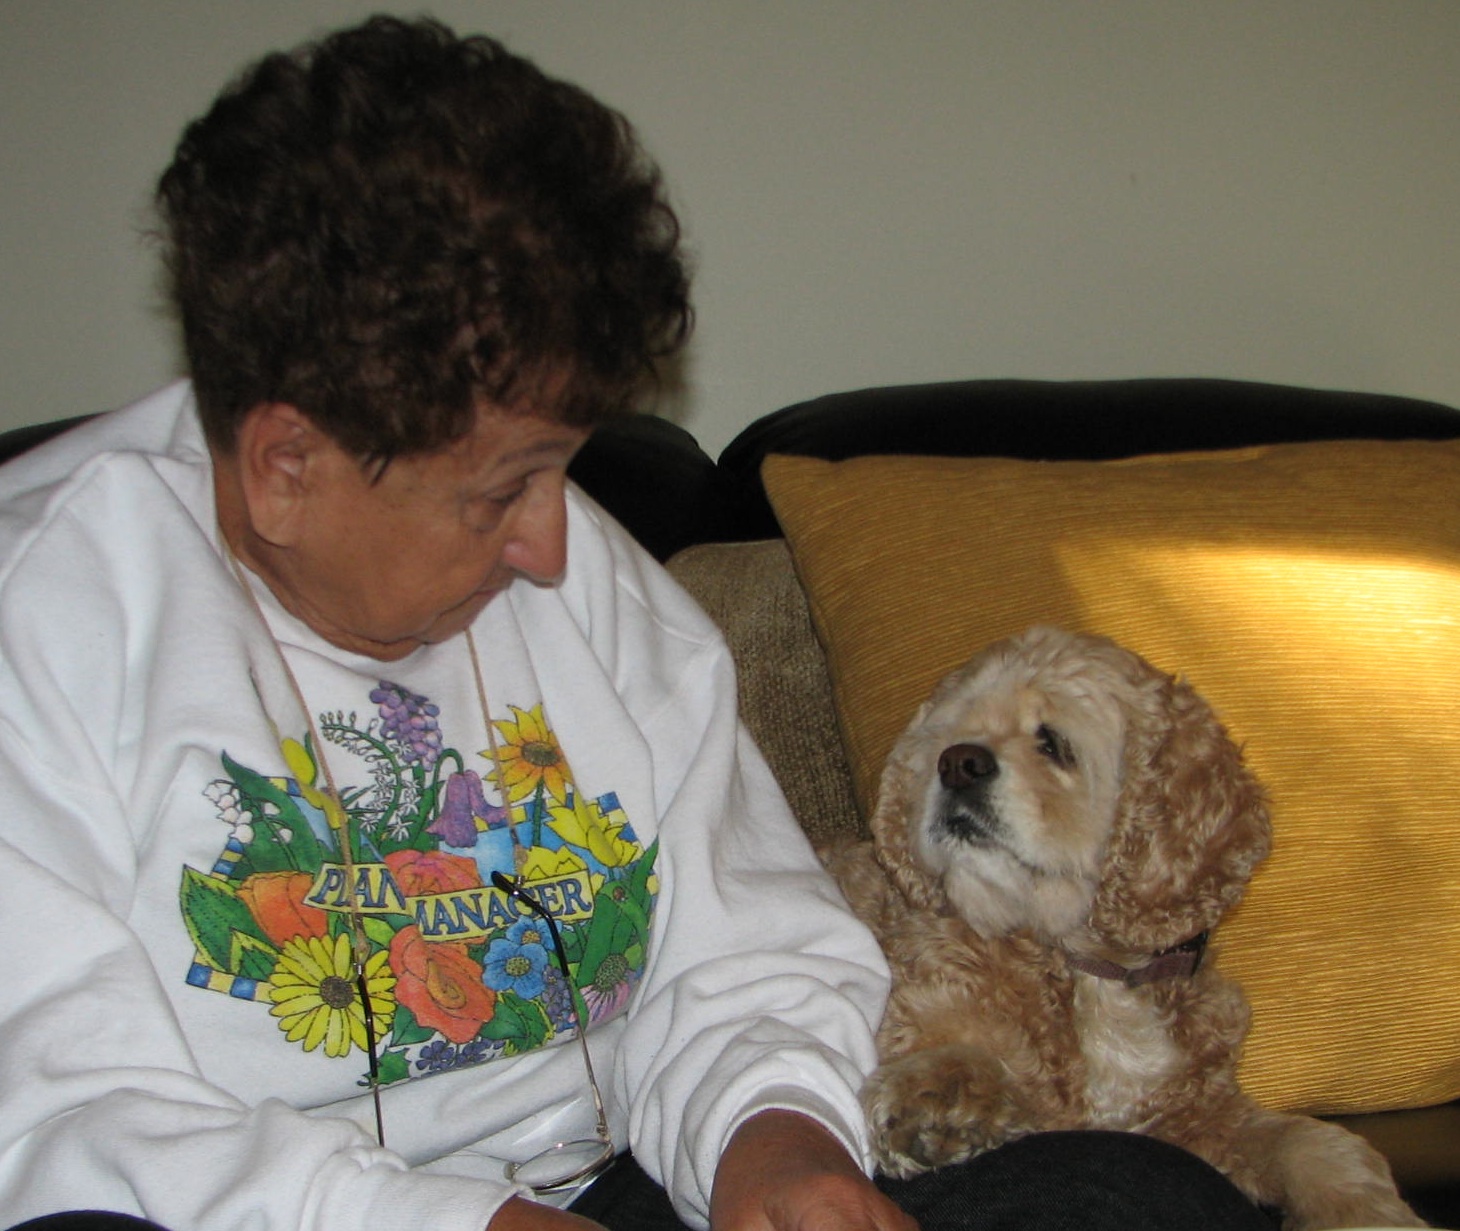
965	764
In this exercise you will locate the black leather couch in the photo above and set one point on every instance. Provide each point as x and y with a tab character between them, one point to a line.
1052	421
654	477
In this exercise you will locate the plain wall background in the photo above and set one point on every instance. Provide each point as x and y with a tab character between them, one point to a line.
876	191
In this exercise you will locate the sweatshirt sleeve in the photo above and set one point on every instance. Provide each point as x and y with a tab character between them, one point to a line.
763	990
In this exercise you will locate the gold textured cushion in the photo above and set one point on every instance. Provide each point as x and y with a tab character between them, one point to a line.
1311	592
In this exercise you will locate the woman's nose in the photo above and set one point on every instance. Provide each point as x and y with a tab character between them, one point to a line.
538	546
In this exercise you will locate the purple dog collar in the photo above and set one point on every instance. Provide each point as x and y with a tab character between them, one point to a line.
1179	962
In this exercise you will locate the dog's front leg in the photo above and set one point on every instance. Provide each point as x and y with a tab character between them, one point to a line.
1322	1176
943	1105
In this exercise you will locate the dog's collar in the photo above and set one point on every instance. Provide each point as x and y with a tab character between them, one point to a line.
1178	962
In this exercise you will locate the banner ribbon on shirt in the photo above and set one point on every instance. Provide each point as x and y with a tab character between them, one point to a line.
455	915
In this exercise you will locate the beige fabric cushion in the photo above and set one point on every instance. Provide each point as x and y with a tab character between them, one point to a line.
750	590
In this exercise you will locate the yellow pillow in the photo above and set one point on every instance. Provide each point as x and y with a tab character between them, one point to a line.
1311	592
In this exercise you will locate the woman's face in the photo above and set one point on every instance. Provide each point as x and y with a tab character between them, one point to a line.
382	566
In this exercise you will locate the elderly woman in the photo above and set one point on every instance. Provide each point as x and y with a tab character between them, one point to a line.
380	846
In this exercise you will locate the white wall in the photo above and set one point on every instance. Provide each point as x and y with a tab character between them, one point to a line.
877	190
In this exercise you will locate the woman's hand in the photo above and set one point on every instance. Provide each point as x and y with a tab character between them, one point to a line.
783	1172
520	1214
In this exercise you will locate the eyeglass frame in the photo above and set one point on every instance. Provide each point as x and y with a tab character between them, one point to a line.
604	1151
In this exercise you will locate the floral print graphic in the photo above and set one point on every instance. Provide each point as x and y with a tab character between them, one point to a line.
532	762
455	972
313	990
441	984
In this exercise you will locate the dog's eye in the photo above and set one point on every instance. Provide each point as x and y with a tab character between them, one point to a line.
1055	746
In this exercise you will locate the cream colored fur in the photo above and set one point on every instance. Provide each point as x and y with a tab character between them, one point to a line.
1085	804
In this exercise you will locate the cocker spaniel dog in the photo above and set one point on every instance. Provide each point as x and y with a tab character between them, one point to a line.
1057	831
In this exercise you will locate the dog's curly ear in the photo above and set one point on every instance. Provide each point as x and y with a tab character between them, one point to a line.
899	805
1191	826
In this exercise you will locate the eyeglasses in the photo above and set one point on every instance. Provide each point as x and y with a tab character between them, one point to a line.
565	1164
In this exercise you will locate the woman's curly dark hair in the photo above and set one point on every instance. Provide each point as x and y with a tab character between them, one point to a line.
394	224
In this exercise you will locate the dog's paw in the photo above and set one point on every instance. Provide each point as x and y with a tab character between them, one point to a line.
1337	1179
1331	1215
1322	1176
937	1107
1348	1202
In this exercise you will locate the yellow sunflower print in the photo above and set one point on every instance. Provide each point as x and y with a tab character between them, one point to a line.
530	757
316	999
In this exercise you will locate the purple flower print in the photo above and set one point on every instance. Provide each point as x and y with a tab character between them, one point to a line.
435	1056
557	998
439	1055
610	989
465	804
409	720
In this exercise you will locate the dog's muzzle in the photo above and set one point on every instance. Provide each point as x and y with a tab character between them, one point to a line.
966	772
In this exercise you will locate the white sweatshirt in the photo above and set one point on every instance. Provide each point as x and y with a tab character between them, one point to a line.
176	1035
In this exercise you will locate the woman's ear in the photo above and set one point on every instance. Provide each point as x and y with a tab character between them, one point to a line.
276	451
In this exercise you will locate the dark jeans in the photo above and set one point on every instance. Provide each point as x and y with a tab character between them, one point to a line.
88	1220
1049	1182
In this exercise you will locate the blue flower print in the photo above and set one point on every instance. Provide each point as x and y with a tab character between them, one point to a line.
439	1055
529	931
435	1056
513	967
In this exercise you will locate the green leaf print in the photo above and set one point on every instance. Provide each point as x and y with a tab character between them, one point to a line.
519	1024
268	851
642	871
405	1029
607	918
213	914
620	918
252	958
393	1066
379	931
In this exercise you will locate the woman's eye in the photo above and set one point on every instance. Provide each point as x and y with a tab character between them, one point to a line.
1054	746
506	499
484	511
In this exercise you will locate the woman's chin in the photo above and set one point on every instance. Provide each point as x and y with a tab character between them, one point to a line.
456	620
